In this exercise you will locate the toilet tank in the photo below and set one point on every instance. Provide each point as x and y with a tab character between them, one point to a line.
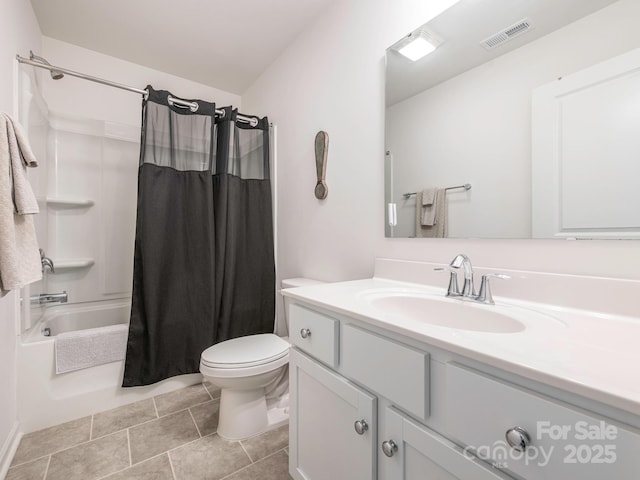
295	282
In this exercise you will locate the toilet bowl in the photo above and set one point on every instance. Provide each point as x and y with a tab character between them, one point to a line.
243	368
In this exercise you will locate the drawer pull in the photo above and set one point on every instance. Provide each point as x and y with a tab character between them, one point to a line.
305	333
361	426
518	438
389	447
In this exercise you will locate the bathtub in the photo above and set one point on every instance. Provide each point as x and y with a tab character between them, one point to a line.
45	398
85	316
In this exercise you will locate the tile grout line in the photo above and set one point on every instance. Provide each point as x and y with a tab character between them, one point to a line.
155	407
174	448
129	448
245	451
104	477
127	429
173	472
251	464
194	422
186	408
65	449
46	470
207	390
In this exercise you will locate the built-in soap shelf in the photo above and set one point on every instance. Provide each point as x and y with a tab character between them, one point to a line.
73	263
69	202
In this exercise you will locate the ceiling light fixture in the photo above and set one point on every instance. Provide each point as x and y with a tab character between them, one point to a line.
417	44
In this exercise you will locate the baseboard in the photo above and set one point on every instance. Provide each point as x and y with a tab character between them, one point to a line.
9	448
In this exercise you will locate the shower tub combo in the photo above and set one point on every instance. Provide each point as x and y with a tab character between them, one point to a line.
47	398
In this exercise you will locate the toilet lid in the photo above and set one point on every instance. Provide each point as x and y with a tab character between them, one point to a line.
245	351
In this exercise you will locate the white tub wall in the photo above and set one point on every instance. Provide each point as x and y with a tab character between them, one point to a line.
34	117
95	161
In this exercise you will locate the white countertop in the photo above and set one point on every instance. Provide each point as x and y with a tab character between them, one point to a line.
591	354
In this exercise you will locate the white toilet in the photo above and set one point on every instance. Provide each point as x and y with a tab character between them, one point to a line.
242	368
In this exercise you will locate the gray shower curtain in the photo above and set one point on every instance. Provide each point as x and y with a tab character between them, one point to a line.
203	263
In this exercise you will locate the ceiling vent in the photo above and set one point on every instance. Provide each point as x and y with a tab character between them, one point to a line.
507	34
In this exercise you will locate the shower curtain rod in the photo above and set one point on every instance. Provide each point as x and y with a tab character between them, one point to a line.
193	106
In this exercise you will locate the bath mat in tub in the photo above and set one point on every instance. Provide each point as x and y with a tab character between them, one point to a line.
91	347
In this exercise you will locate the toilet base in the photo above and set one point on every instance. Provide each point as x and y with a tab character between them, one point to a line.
244	414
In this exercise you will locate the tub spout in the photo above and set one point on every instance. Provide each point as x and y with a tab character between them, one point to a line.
50	298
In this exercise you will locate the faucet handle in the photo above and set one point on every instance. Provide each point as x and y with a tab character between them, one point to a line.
452	290
484	295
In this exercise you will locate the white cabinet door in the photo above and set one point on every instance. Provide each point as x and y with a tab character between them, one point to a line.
324	443
414	452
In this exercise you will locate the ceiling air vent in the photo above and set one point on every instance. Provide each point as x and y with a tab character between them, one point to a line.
507	34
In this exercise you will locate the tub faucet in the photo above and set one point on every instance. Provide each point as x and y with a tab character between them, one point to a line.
46	262
50	298
463	261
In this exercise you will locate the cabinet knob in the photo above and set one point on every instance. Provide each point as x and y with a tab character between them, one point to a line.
305	333
518	438
389	447
361	426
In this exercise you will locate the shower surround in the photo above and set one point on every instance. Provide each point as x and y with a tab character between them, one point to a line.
86	189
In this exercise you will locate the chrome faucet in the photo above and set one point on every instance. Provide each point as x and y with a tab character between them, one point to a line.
46	262
468	291
463	261
50	298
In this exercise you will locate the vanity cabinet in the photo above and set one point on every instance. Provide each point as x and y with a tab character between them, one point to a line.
371	404
334	421
326	442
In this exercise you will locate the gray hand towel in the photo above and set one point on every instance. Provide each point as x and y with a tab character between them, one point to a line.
429	207
439	229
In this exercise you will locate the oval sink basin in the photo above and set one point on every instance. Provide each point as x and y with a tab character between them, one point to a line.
453	313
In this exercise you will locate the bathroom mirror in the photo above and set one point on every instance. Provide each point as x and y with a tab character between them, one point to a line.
463	115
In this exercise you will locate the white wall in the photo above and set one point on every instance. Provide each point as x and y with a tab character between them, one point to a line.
19	32
490	108
332	78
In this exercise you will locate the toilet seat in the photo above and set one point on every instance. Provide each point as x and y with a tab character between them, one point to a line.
246	356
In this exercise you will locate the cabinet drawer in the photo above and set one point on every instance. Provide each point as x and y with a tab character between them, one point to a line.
565	442
393	370
314	333
422	453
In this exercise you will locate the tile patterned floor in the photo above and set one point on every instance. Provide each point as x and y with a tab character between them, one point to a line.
168	437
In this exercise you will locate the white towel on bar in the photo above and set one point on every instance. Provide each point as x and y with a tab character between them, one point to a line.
91	347
19	256
21	157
